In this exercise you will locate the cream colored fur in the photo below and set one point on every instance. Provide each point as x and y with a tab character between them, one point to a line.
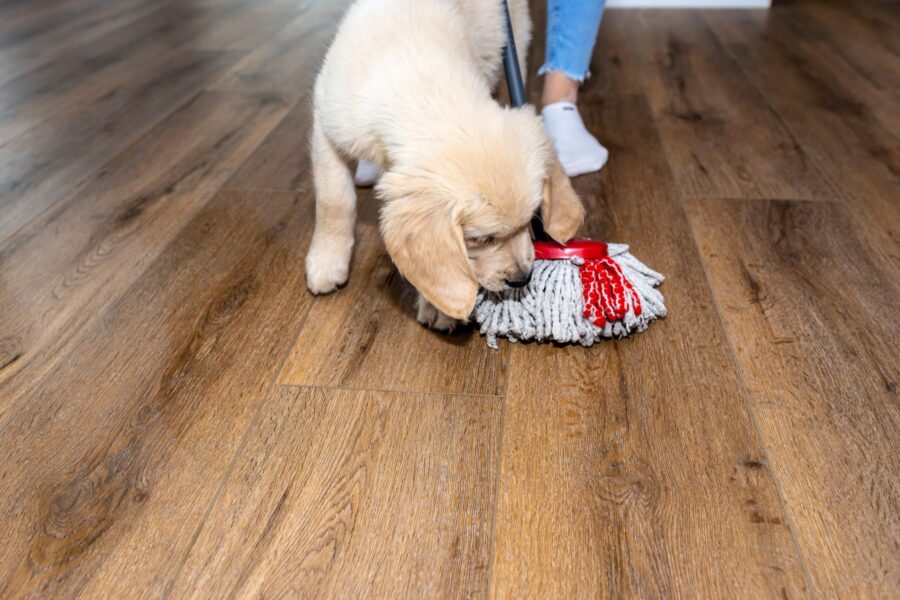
407	84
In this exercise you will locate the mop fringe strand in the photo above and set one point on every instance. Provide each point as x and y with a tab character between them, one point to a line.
578	294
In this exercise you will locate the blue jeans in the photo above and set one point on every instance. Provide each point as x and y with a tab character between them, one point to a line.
571	31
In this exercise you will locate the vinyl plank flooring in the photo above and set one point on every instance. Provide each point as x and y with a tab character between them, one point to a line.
634	468
128	55
282	161
615	67
179	417
837	130
22	20
247	30
880	18
283	62
163	389
23	48
44	164
862	51
721	136
31	97
63	272
810	308
366	335
355	494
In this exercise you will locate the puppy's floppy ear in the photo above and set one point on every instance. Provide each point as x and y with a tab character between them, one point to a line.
562	210
425	241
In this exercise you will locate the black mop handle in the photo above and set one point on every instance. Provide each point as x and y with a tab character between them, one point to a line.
511	65
517	97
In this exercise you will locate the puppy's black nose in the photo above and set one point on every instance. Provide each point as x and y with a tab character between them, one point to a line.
520	280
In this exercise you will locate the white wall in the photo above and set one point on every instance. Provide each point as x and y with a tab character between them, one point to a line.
688	3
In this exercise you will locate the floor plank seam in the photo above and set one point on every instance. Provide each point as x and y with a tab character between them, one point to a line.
235	89
499	472
387	391
745	392
243	188
212	503
861	225
749	402
158	208
273	385
760	199
227	187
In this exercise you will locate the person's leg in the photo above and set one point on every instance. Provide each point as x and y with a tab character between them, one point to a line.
571	31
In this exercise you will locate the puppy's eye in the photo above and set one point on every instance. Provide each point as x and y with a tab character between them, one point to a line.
482	239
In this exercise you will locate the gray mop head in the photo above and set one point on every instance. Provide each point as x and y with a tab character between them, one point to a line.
579	293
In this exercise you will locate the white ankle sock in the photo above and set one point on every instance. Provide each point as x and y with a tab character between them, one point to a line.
579	152
366	173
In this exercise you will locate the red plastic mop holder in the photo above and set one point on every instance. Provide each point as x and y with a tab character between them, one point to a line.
578	247
607	292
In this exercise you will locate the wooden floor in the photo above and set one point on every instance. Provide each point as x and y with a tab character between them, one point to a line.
179	418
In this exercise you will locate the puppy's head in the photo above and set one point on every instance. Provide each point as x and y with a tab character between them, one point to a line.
459	215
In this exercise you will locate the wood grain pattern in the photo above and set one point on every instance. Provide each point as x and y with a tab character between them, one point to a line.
811	311
356	494
616	67
26	46
366	335
603	491
282	160
48	161
858	48
284	62
248	27
838	129
64	271
719	133
111	61
163	389
22	22
180	418
123	56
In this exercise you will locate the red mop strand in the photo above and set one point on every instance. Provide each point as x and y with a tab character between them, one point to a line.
579	293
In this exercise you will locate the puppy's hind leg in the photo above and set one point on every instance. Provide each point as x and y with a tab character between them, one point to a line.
328	259
429	316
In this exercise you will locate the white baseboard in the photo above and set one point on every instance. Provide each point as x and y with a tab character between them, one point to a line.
688	3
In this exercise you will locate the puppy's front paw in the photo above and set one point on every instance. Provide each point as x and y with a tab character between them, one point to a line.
431	317
325	272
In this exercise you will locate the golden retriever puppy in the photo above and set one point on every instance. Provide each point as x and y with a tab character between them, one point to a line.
407	85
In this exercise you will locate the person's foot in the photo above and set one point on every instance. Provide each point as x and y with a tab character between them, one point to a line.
579	152
366	174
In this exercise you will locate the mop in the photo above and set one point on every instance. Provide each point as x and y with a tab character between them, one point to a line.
580	292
